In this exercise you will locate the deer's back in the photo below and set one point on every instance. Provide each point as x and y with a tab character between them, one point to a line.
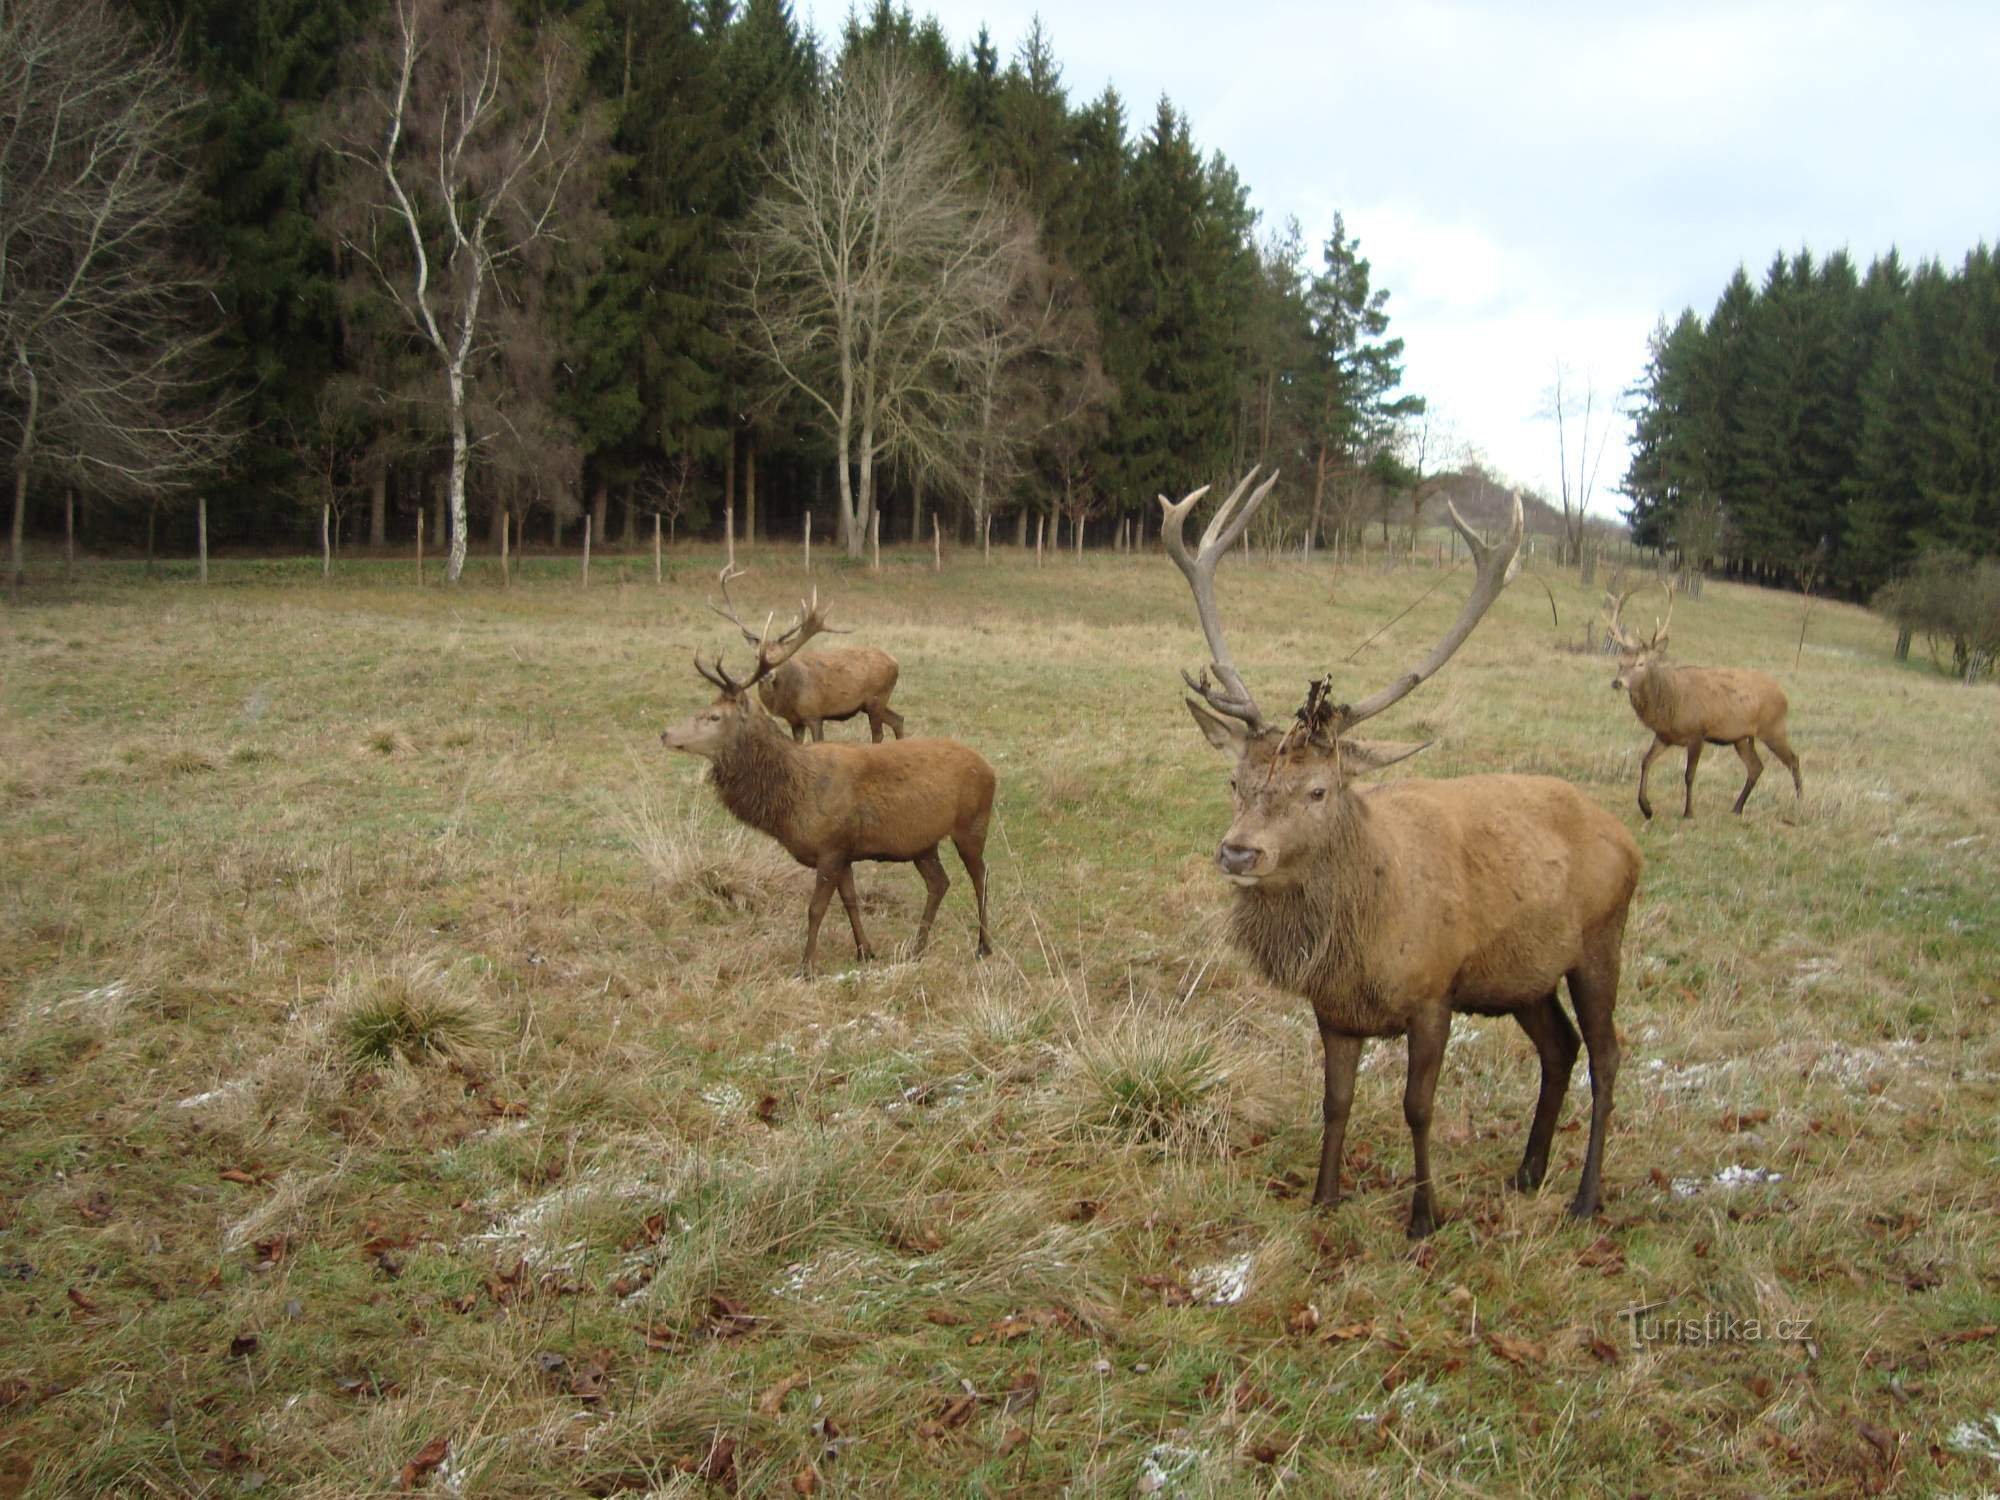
833	682
897	799
1722	704
1494	885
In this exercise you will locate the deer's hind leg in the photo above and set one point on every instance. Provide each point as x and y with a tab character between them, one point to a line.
1427	1037
1556	1044
880	713
1593	991
936	883
1747	748
1780	745
852	901
971	847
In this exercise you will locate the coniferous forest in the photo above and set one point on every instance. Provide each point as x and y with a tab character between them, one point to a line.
468	265
541	260
1829	427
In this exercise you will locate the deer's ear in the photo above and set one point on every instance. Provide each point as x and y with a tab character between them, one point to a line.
1359	757
1227	735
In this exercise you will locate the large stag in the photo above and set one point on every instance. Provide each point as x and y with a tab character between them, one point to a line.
833	683
1697	706
834	805
1392	908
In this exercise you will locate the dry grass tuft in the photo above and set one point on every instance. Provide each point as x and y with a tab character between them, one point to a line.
413	1010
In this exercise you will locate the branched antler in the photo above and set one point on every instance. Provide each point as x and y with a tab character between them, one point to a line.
1495	564
771	654
1224	529
1625	639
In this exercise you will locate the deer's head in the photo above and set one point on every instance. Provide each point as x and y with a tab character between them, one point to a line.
734	710
1290	782
1637	656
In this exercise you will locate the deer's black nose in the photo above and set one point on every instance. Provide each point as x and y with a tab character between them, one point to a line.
1237	859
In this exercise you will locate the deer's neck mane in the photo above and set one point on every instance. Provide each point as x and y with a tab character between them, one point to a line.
1309	936
1657	696
759	777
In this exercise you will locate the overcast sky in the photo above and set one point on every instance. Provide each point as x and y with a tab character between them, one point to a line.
1536	183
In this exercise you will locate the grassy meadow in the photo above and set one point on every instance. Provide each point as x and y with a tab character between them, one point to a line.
404	1080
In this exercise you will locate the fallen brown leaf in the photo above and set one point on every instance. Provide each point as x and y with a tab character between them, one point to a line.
233	1174
1966	1335
1171	1291
243	1344
806	1481
1304	1319
1604	1350
1342	1333
428	1458
773	1400
944	1317
728	1318
1516	1351
80	1303
720	1466
1024	1392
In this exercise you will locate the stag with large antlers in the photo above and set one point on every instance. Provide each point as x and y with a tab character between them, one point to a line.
834	805
833	683
1697	706
1394	907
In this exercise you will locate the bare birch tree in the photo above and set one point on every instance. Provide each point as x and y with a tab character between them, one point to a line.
465	140
104	320
1571	411
872	272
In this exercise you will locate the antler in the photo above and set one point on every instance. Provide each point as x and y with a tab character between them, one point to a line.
770	654
1496	565
1624	638
1233	698
1613	627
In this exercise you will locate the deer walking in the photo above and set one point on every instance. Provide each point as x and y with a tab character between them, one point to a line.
1392	908
834	805
1698	706
833	683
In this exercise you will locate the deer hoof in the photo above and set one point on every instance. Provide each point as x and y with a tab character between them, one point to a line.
1526	1178
1423	1223
1583	1208
1646	810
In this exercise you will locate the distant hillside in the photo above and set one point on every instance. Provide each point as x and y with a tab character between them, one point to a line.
1485	502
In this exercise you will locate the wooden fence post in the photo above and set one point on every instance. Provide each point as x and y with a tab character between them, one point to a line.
875	538
729	535
506	543
809	543
69	535
420	546
937	545
325	543
1040	522
657	574
586	549
201	532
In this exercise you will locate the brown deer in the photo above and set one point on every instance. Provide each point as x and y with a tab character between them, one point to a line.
834	805
1697	706
834	682
1394	907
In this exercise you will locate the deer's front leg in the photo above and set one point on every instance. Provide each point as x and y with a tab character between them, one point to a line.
1342	1057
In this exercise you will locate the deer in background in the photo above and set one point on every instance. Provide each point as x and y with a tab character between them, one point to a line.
834	682
1697	706
1394	907
832	806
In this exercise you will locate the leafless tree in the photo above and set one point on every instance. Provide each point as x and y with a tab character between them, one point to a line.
872	271
665	488
1568	410
466	142
105	322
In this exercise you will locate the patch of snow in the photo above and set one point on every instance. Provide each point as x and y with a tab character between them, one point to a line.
1165	1463
1224	1283
529	1226
1979	1438
104	1002
724	1098
1729	1178
209	1096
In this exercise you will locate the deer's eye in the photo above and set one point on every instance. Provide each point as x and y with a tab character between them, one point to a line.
1319	794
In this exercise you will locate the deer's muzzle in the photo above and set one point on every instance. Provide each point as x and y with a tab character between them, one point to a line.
1238	860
